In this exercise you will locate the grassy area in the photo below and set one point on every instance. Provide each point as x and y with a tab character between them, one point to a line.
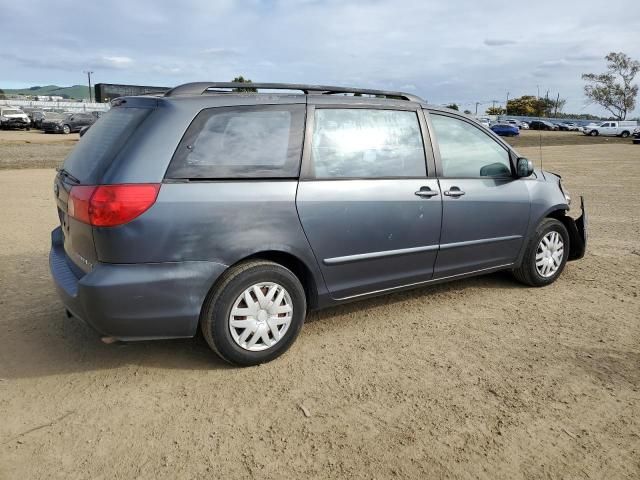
76	91
533	138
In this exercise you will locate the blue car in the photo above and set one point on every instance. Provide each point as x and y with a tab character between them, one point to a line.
505	130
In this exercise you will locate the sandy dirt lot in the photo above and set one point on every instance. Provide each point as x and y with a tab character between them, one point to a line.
34	149
480	378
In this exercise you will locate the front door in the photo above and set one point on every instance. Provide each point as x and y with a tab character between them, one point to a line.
367	206
609	129
485	209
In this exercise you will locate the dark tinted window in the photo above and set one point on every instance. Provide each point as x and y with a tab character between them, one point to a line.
467	151
263	141
366	143
99	146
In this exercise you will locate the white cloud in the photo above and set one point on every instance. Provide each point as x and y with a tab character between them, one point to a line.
445	55
498	42
116	62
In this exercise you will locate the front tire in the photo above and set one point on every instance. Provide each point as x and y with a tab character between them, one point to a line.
66	129
545	256
593	133
254	313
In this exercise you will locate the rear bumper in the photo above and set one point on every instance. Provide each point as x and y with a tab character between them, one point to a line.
134	301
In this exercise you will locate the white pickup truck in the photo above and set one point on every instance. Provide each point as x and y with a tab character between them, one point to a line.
622	128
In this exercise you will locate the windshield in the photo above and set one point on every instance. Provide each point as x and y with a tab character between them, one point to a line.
11	112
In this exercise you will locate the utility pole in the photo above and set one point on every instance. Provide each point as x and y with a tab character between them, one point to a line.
477	103
506	106
89	80
557	101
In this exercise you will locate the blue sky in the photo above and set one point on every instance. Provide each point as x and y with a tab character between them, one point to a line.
457	51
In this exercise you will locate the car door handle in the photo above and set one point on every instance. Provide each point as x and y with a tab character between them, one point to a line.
454	192
426	192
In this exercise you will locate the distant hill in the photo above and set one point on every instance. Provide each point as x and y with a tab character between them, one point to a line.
76	92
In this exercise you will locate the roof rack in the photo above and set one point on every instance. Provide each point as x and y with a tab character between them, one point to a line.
200	88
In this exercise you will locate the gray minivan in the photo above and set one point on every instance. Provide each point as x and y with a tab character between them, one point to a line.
238	212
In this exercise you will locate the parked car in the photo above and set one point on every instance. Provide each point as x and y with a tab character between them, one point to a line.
572	127
542	125
70	122
524	125
37	117
612	128
216	211
485	121
13	117
513	121
505	129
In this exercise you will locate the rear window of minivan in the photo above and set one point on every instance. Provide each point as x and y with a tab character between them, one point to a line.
261	141
102	142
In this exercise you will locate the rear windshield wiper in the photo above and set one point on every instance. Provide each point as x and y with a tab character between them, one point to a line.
66	174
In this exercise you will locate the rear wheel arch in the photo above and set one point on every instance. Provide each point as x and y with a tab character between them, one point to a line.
297	266
288	260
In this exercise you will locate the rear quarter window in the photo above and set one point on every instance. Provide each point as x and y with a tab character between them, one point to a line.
102	142
263	141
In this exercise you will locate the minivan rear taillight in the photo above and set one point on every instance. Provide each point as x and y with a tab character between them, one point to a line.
111	205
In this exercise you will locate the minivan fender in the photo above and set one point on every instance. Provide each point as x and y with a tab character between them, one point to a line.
308	273
575	227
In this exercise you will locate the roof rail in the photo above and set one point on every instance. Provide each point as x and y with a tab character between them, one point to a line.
200	88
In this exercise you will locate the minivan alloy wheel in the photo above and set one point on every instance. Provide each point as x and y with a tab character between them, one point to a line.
549	254
261	316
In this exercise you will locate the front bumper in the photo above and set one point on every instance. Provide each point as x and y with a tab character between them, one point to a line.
578	233
51	128
134	301
15	123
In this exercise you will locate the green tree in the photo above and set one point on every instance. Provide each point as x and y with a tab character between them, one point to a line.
2	95
495	111
453	106
613	89
241	79
531	106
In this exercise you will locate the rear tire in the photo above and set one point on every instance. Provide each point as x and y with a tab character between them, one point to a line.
274	325
546	254
625	134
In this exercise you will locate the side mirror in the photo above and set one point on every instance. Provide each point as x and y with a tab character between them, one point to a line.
524	167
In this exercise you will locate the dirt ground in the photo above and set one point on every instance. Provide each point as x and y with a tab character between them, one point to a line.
481	378
34	149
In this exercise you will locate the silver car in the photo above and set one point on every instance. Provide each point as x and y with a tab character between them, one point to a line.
236	213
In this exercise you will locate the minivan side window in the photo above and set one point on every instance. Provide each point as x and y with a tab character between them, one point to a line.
263	141
467	151
366	143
